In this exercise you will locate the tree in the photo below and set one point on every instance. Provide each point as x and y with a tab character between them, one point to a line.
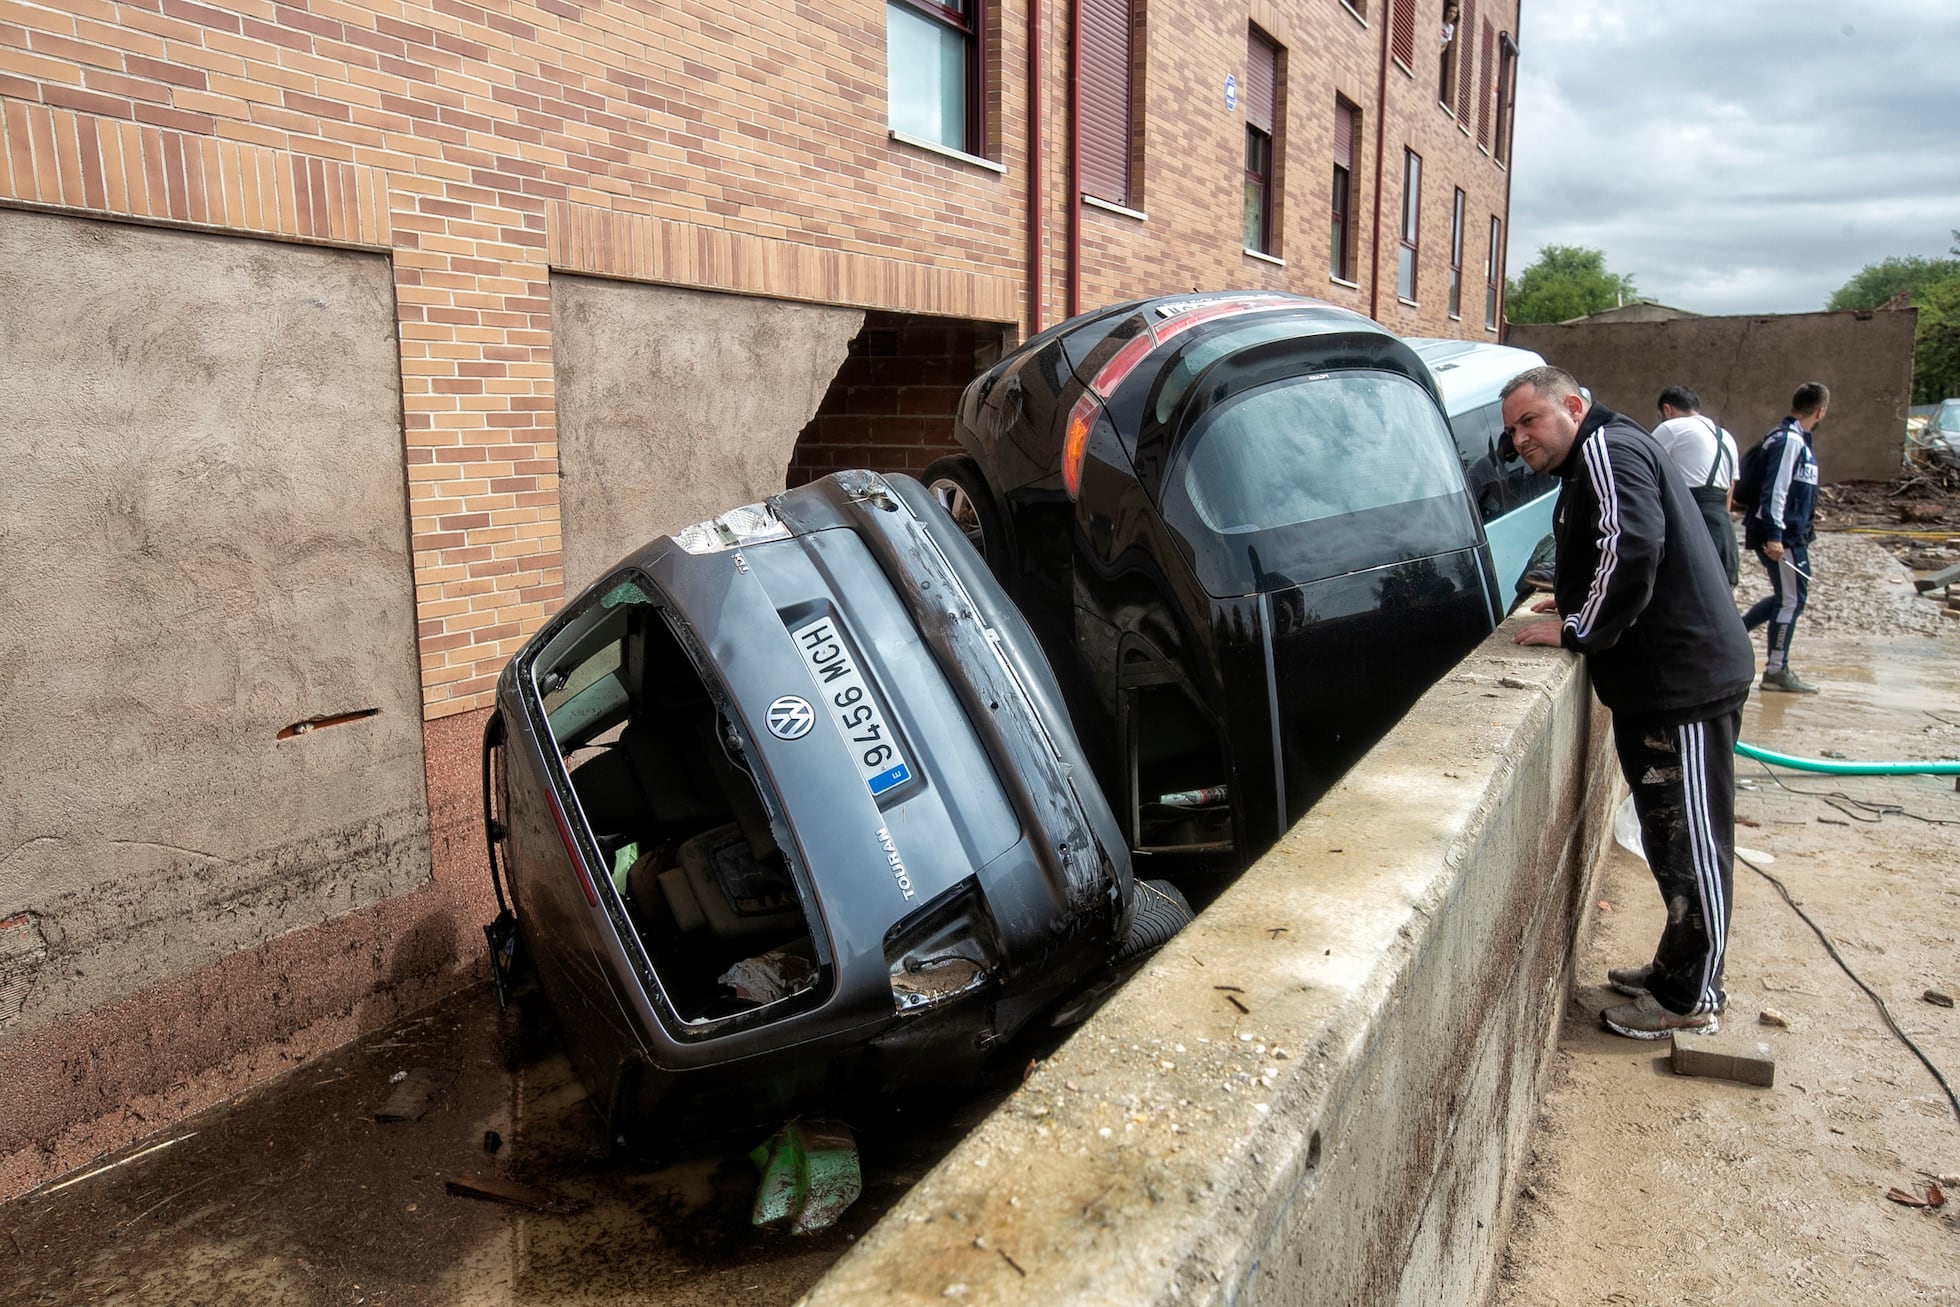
1933	287
1877	283
1567	281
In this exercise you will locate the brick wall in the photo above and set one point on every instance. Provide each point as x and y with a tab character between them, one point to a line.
484	147
699	144
892	404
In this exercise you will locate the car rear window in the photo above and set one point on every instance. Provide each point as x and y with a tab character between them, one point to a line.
1315	476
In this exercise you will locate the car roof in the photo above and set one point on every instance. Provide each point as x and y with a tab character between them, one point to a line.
1471	372
1081	337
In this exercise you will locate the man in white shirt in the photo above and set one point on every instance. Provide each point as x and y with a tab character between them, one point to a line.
1706	456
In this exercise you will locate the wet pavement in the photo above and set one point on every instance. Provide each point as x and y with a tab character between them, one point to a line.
295	1193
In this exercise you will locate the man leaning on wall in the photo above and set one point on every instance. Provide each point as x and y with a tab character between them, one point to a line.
1641	594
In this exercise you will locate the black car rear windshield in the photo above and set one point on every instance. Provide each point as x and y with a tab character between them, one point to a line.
1316	476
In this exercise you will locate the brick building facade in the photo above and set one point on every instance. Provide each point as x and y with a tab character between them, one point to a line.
482	160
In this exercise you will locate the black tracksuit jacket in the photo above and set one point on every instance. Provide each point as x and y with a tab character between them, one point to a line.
1638	585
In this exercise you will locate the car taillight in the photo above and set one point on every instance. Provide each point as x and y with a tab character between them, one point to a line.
572	851
1076	443
1082	418
748	525
944	953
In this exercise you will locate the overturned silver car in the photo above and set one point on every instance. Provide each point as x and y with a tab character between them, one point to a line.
787	808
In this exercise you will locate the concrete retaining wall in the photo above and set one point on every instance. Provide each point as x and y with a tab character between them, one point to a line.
1317	1093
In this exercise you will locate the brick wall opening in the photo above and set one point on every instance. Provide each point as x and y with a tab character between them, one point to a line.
891	405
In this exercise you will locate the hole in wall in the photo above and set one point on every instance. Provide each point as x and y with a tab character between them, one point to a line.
320	723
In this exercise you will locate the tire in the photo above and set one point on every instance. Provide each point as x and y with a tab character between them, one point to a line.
1162	911
956	485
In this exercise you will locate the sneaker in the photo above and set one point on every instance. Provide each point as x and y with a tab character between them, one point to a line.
1788	681
1646	1019
1631	981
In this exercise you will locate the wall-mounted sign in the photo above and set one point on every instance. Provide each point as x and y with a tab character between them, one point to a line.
1231	92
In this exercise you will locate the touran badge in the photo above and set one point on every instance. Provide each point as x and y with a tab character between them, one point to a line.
791	718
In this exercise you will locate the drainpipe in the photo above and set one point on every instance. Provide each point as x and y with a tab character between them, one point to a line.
1036	210
1075	159
1381	175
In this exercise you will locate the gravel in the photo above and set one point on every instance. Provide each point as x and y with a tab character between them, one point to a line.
1857	588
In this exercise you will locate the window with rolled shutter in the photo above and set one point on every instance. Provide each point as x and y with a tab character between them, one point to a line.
1465	29
1340	253
1261	150
1486	89
1402	32
1108	65
1507	94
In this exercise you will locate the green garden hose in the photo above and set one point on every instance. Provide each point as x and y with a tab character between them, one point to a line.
1848	768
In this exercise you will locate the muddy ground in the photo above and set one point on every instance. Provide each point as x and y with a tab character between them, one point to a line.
1646	1187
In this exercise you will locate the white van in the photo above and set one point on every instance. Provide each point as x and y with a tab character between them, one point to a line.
1516	503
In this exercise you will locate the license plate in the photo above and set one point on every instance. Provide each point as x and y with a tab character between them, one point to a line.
848	702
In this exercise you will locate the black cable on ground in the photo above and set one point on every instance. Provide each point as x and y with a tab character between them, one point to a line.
1870	993
1839	799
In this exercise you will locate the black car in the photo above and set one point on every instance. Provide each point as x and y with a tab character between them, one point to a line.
1238	523
788	810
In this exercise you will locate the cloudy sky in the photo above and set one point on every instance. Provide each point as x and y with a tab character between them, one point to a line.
1738	156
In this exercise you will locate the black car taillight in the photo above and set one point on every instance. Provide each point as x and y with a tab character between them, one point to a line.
943	952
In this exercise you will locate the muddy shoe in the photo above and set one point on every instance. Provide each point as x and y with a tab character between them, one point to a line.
1646	1019
1787	681
1631	981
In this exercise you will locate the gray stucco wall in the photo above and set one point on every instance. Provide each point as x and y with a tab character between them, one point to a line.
1746	368
676	404
203	541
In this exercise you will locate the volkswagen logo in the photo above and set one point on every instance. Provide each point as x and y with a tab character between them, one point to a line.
791	718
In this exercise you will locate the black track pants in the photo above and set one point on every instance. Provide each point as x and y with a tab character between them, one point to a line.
1683	782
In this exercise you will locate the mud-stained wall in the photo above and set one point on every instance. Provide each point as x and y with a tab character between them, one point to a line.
203	543
674	405
1746	369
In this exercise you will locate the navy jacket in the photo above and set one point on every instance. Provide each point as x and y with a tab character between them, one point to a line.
1789	495
1639	588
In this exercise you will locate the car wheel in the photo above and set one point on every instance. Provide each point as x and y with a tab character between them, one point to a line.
1162	911
956	484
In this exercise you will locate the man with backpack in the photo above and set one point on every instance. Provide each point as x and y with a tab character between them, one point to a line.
1706	455
1777	485
1639	592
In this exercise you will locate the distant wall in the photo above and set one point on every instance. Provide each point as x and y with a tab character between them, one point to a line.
1746	368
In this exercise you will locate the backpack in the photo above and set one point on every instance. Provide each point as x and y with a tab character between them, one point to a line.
1747	487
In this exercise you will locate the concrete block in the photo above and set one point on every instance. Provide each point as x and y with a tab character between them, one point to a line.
1728	1054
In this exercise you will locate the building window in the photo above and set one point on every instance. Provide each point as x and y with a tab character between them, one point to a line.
1456	256
1108	99
1347	131
1402	33
1446	65
932	61
1493	262
1466	31
1262	81
1507	94
1405	270
1486	89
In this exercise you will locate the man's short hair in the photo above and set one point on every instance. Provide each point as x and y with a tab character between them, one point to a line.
1679	397
1550	383
1810	396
